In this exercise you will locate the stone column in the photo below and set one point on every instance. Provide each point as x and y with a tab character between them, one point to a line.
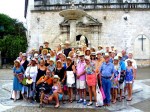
72	31
0	60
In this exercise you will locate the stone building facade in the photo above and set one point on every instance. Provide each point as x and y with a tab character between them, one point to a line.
124	24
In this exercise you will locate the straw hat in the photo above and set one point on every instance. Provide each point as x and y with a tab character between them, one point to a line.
119	55
56	77
81	54
116	58
106	55
88	49
87	58
17	61
129	60
98	52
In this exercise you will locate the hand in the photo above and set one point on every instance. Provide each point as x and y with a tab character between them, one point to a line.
78	76
15	74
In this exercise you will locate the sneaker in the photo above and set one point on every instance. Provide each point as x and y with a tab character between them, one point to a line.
90	103
80	101
84	102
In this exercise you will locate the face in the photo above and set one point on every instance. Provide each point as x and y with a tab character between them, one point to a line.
68	61
130	56
33	63
99	56
55	80
58	64
129	63
106	59
115	61
88	52
46	45
16	64
42	62
112	54
24	57
41	47
51	63
123	52
93	57
63	58
87	61
81	58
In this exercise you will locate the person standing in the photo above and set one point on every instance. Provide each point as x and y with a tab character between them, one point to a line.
17	86
106	75
67	48
46	44
124	55
81	77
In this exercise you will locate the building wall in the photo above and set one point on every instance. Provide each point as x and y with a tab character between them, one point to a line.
115	30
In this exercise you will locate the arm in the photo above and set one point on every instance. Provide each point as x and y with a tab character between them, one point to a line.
134	75
74	69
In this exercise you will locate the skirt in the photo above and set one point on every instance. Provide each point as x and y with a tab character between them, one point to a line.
91	80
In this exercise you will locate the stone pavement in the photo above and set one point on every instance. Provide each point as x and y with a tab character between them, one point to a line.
140	102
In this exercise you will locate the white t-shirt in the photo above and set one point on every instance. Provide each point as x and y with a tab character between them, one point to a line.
32	71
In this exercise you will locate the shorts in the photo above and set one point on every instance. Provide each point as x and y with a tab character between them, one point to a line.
129	82
81	84
121	86
71	85
60	96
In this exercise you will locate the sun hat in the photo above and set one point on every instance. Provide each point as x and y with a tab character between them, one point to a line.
98	52
106	55
130	52
119	55
100	46
24	54
46	42
18	61
67	42
87	58
56	77
129	60
48	54
93	53
69	58
81	54
36	55
116	58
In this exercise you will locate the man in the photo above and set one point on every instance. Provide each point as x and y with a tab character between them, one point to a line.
81	84
122	75
106	75
124	56
67	48
46	44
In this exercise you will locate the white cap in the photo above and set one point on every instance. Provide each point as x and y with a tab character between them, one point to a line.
56	77
48	54
119	55
87	58
24	54
35	55
116	58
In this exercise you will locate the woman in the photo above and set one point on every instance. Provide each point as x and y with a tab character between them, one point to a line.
93	58
59	49
31	73
129	78
61	72
51	68
63	60
53	56
47	59
40	49
91	80
70	69
115	80
18	69
41	70
57	91
24	61
88	52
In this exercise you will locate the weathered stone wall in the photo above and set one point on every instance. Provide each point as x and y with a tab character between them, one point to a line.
115	30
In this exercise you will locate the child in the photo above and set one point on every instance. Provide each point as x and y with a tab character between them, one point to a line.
115	80
130	75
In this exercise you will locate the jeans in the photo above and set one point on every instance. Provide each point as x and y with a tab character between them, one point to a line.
106	84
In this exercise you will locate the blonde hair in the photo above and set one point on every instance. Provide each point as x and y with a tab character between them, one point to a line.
59	63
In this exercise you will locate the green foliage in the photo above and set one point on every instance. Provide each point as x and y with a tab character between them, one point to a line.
13	37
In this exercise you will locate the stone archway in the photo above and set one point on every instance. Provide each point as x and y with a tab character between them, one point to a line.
78	37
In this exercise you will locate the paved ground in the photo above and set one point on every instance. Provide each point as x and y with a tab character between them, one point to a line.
140	102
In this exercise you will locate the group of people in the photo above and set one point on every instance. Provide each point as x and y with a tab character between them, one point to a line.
78	71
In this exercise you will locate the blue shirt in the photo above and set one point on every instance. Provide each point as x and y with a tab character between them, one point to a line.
122	65
124	58
107	69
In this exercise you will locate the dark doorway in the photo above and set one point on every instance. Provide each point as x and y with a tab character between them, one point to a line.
78	39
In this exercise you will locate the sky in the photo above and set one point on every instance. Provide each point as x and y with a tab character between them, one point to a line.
13	8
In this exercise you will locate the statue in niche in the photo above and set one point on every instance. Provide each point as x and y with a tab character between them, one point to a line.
82	40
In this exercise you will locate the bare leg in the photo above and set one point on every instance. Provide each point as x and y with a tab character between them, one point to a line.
90	93
71	94
55	96
130	91
94	92
84	92
120	94
42	97
15	95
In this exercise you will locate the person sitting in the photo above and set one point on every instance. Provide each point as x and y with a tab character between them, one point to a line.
55	95
43	85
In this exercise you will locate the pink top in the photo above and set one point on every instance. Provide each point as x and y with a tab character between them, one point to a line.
80	69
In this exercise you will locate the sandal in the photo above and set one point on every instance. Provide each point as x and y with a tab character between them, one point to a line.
41	106
57	106
129	99
114	102
90	103
96	104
